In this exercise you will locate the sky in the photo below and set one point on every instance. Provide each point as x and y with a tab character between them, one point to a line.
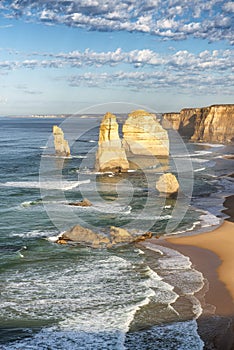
75	56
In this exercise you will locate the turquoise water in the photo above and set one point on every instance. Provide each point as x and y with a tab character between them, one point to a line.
56	297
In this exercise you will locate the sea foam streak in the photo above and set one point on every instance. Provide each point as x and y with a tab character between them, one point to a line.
50	185
89	319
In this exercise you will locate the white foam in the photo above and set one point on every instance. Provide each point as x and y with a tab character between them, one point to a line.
191	228
176	270
34	234
209	219
79	157
200	169
212	145
50	185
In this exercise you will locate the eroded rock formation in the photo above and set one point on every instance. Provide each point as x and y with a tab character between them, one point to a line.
143	135
60	144
215	124
167	184
84	203
111	154
87	237
208	124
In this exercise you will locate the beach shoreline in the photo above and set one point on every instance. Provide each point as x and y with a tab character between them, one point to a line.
211	253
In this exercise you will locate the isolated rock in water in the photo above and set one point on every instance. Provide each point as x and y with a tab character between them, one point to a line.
60	144
143	135
85	236
167	184
111	155
84	203
120	235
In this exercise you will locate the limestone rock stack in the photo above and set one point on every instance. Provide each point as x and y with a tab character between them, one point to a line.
143	135
60	144
111	154
167	184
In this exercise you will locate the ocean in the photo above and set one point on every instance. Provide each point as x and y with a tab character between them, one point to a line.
75	297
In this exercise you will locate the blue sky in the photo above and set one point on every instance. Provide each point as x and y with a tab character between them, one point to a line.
66	56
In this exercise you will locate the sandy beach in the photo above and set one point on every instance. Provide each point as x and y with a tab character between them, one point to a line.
215	252
212	253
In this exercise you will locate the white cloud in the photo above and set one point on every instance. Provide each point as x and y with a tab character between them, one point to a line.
229	6
145	58
168	19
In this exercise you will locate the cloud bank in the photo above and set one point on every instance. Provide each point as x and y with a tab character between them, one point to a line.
205	72
166	19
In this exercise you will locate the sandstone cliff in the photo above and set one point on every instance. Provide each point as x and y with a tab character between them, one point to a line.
143	135
215	124
208	124
60	144
111	154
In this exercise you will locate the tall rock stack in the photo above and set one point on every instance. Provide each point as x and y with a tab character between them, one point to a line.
111	155
60	144
143	135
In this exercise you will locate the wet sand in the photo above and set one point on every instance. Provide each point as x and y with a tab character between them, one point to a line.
218	243
212	253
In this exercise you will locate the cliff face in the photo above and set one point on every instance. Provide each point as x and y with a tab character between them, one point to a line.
171	120
60	144
143	135
111	154
215	124
208	124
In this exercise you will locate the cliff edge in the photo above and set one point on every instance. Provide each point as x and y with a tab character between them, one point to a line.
208	124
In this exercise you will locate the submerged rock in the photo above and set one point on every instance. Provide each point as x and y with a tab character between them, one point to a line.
84	203
120	235
111	155
60	144
87	237
168	184
143	135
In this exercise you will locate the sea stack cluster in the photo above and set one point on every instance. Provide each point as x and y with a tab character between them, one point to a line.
142	136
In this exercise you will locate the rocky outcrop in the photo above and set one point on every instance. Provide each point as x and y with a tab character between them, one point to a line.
171	120
208	124
84	236
84	203
167	184
87	237
60	144
215	124
143	135
111	155
183	122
